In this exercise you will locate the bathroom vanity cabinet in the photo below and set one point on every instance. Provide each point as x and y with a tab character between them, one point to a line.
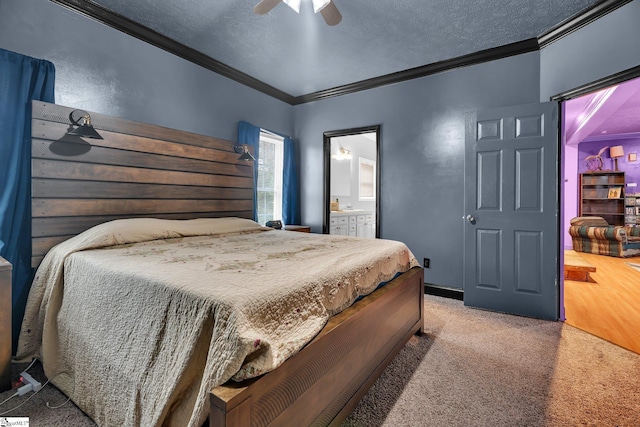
358	223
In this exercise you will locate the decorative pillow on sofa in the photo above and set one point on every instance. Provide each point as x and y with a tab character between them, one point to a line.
591	221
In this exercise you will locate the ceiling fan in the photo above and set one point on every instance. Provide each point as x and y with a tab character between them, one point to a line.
327	8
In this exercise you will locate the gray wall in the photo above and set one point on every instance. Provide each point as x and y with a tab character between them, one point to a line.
422	154
422	151
103	70
602	48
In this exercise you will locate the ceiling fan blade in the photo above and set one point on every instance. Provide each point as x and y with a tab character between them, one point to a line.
331	14
265	6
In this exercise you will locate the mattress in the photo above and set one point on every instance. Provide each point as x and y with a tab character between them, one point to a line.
137	320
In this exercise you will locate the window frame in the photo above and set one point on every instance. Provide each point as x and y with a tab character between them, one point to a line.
372	164
267	137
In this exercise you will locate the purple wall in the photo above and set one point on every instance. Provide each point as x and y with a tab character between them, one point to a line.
631	169
574	165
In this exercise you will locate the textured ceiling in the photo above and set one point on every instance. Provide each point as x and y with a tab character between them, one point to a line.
609	113
300	54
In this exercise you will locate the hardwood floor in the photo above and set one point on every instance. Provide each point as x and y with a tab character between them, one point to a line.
608	307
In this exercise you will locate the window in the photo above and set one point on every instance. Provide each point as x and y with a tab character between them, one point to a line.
270	173
367	180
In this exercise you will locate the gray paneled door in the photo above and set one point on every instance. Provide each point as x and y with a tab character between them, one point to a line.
511	210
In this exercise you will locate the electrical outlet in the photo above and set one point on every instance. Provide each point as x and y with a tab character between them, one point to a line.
426	263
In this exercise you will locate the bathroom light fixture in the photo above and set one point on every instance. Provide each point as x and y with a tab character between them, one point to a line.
246	155
342	154
84	129
615	152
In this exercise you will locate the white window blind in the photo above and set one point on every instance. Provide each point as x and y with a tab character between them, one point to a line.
270	174
367	179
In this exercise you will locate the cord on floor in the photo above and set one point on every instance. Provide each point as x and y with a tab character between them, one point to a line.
8	399
22	390
30	384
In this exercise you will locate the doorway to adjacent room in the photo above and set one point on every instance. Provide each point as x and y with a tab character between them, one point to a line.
600	140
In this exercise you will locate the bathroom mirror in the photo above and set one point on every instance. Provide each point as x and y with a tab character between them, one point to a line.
352	182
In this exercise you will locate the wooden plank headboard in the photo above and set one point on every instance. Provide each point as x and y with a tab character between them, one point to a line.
137	170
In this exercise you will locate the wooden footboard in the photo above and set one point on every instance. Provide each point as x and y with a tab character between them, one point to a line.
321	384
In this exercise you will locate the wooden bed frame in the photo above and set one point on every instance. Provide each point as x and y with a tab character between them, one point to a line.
142	170
322	384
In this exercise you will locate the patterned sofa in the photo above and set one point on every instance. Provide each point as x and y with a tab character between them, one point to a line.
594	235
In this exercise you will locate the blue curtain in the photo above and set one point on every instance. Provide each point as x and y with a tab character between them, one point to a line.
250	135
291	187
22	79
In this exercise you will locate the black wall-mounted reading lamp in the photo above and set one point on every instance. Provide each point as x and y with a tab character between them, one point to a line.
84	129
246	155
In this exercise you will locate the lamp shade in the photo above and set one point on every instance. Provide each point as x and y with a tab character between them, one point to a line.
84	129
246	155
616	151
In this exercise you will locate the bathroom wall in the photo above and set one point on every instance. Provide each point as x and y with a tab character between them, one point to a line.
359	146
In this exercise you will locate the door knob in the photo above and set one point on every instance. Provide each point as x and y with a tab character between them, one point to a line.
471	218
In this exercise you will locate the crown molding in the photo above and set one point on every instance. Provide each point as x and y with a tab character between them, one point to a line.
499	52
613	137
576	22
127	26
141	32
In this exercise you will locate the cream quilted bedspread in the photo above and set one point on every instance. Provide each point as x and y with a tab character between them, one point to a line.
137	320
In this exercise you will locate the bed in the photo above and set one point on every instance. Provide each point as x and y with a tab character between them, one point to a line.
312	339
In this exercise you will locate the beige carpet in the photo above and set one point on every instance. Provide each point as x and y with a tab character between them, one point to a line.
478	368
471	368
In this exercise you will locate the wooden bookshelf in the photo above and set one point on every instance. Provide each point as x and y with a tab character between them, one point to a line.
602	194
632	209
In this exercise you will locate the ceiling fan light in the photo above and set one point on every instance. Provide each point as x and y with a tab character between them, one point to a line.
293	4
318	5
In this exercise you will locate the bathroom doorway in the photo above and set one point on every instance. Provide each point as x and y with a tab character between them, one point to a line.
352	182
